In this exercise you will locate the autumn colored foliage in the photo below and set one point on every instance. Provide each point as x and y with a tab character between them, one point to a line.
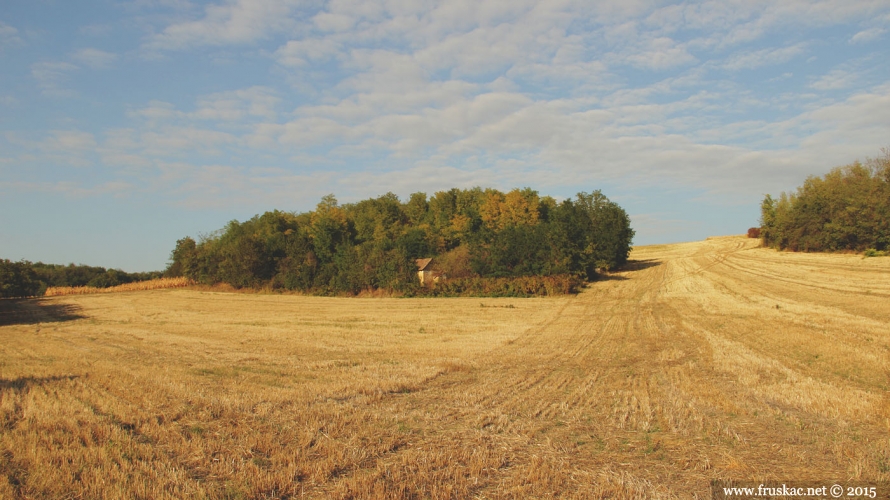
472	234
847	209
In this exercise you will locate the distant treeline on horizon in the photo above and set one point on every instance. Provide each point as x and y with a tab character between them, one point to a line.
471	234
27	279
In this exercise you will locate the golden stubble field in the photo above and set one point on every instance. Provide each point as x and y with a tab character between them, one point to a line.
704	360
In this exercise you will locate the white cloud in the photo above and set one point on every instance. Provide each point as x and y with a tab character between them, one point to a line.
94	58
814	141
172	140
854	123
51	71
123	139
126	161
325	21
426	177
95	30
165	141
770	17
57	147
658	54
783	76
157	111
315	131
560	143
50	76
301	52
657	225
868	35
834	80
9	36
378	99
226	186
71	141
178	5
763	57
72	189
485	50
231	106
234	22
405	94
236	105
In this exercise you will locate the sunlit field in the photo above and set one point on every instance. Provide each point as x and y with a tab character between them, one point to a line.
700	361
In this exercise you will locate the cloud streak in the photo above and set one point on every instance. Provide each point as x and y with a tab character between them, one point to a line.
51	77
94	58
9	36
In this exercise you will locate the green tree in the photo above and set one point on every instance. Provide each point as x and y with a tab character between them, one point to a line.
377	219
183	259
110	278
768	229
417	209
328	228
846	209
18	279
609	234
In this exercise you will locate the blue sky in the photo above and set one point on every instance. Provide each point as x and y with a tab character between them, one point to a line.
126	125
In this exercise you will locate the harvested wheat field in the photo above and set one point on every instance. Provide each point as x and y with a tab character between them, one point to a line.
704	360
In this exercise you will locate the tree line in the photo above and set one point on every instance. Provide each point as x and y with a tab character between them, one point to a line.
27	279
847	209
472	234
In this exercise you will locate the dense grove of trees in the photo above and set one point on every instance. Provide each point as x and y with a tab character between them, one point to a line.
17	279
847	209
26	279
373	244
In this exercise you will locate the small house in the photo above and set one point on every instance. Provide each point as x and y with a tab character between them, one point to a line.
427	272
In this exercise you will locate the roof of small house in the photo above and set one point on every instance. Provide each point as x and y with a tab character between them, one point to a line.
422	263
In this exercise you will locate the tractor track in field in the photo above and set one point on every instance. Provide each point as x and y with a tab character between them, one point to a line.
632	365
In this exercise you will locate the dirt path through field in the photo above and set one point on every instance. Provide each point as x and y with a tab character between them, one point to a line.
706	360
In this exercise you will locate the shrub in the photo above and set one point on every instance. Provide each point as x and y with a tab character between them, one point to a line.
522	286
17	279
871	252
754	232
